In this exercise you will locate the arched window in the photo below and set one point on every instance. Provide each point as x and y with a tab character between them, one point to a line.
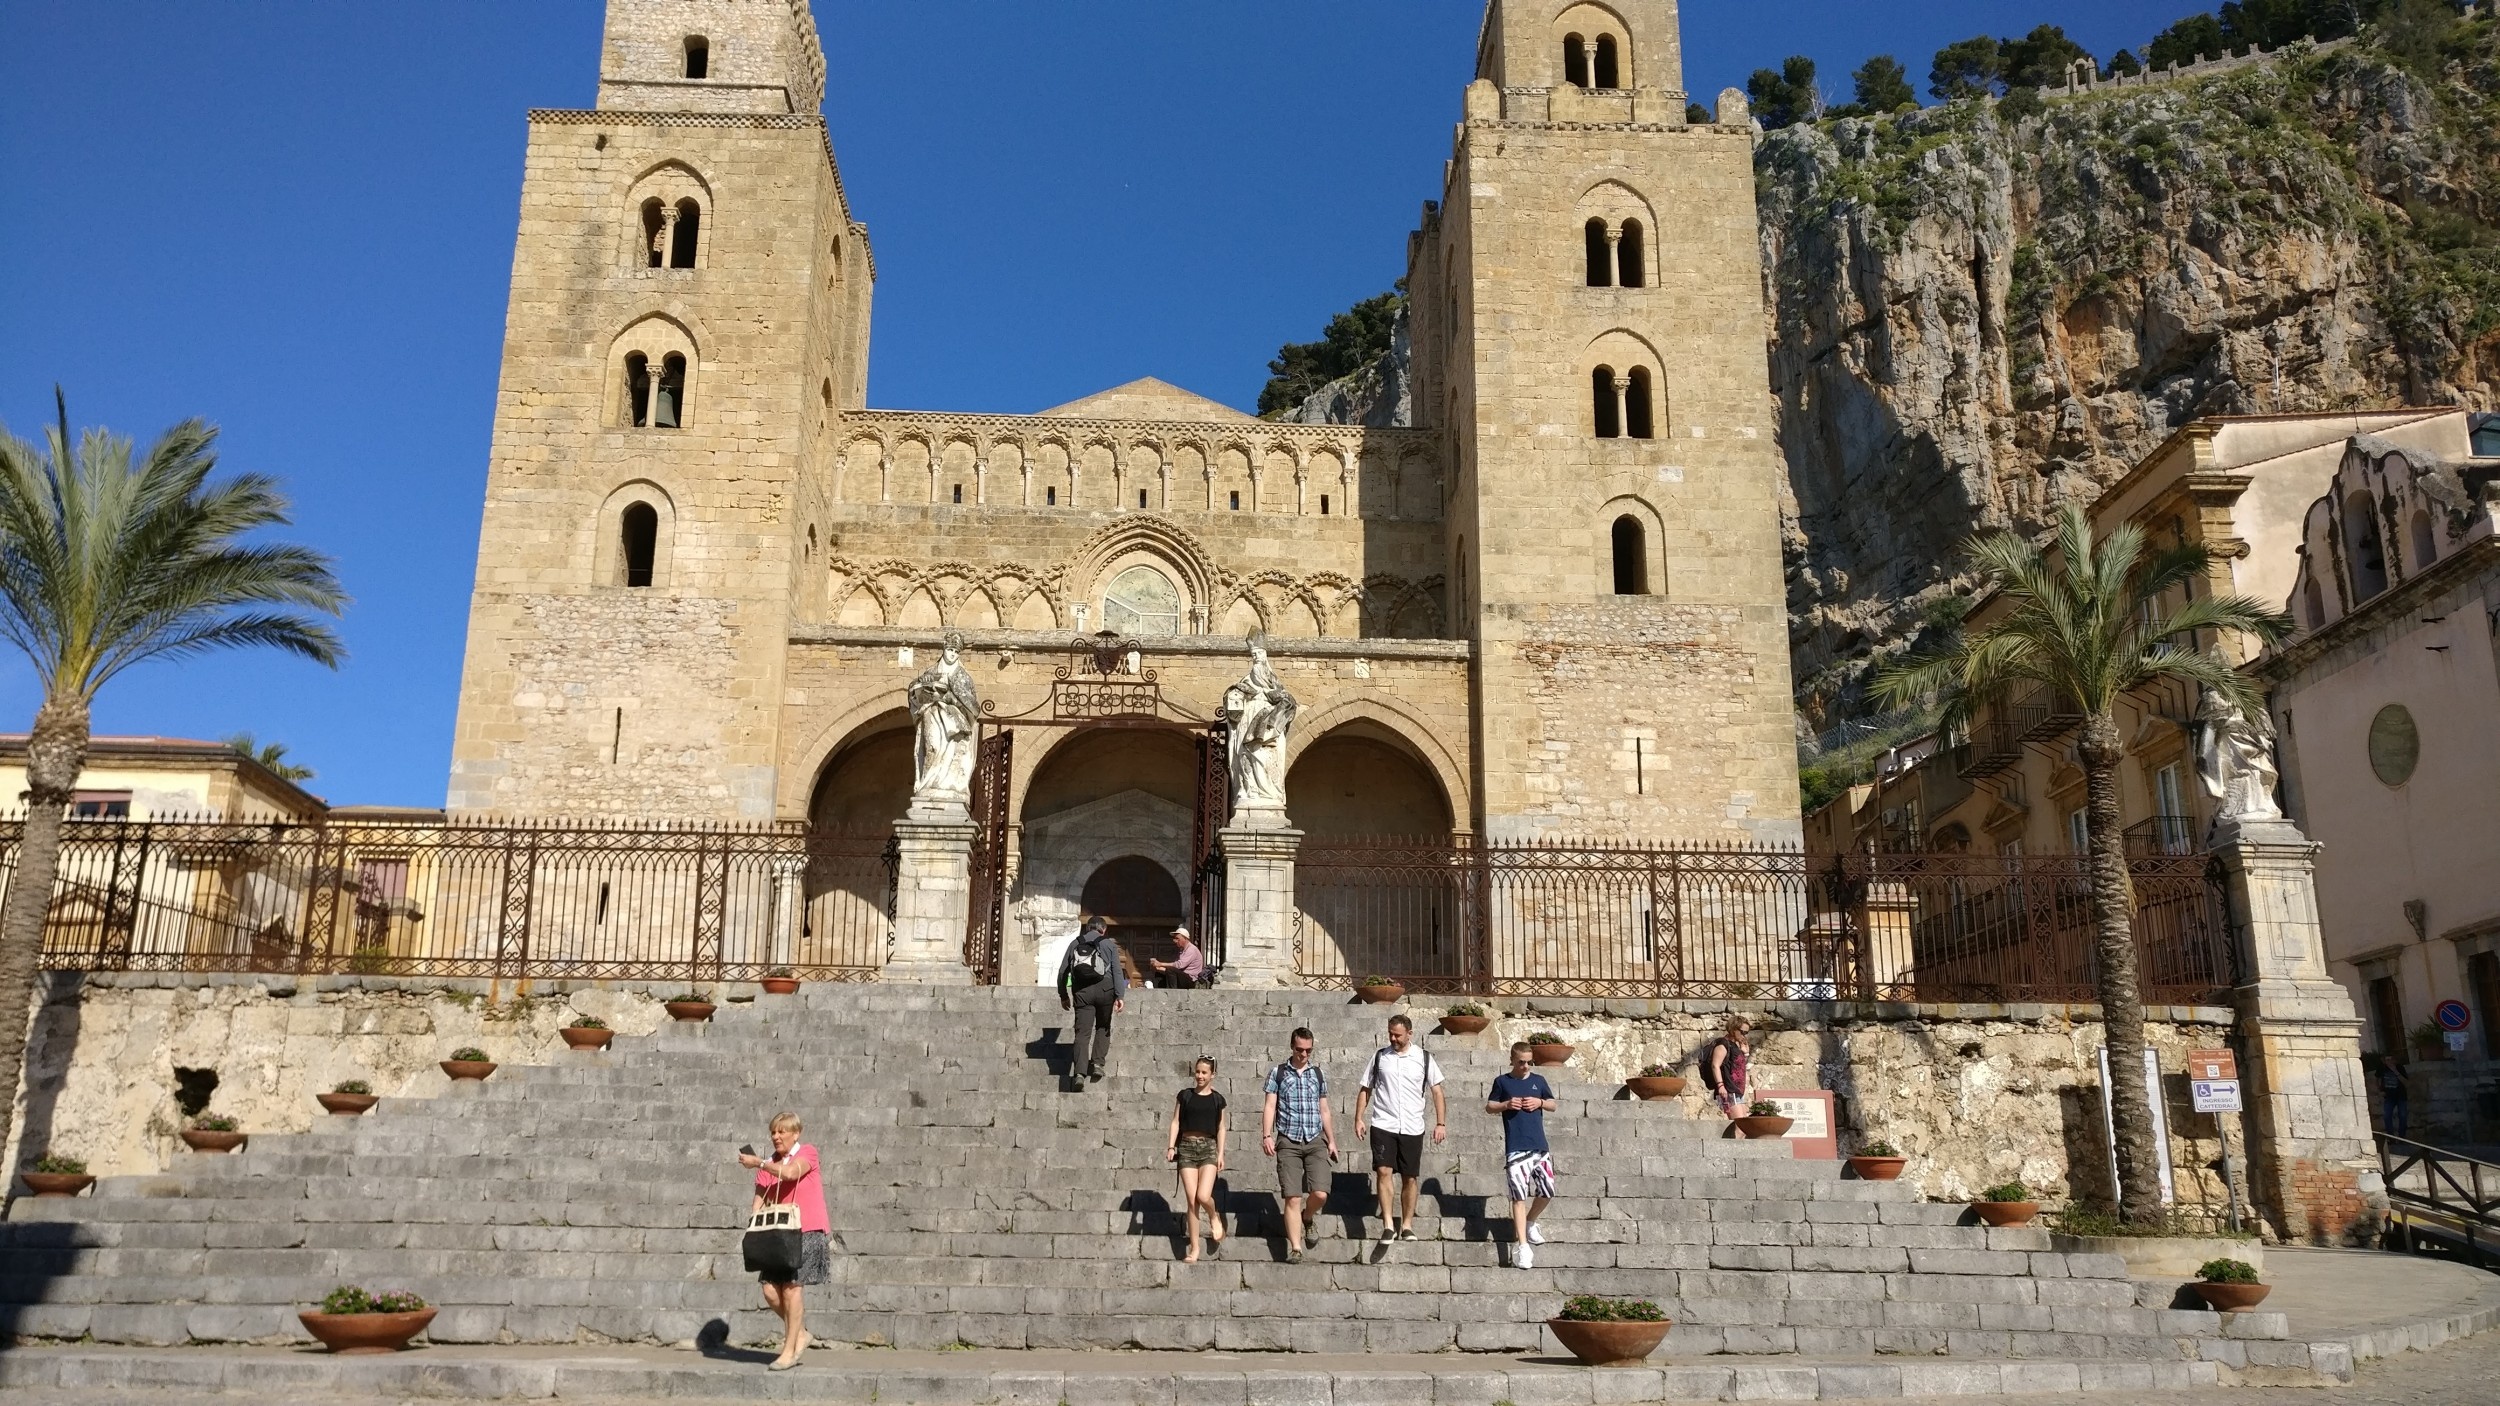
2419	543
2362	553
1631	257
1602	395
698	56
681	244
668	402
1601	254
640	526
1575	61
1637	422
654	232
1631	557
1142	601
2313	604
637	390
1609	70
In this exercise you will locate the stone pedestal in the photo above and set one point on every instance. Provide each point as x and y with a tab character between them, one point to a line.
2313	1162
1258	901
932	902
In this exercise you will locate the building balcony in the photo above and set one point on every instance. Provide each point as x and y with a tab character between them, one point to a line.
2162	834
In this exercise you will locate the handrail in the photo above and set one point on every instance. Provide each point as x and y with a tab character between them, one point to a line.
2461	1192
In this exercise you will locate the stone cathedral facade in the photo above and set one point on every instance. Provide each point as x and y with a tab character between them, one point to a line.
1551	608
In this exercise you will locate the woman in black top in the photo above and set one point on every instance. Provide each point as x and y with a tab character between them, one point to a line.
1195	1143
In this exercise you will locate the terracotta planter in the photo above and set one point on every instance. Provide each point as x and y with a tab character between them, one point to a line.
2231	1298
364	1334
468	1068
1764	1125
57	1183
349	1104
1647	1087
1610	1344
213	1142
1549	1054
1380	995
582	1037
1465	1024
689	1010
1877	1168
781	985
2004	1213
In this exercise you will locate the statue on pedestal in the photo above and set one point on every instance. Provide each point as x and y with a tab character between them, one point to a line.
945	725
1261	713
2235	759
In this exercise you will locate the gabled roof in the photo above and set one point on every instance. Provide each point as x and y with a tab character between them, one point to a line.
1149	399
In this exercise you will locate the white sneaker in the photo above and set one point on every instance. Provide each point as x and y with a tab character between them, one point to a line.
1536	1233
1521	1257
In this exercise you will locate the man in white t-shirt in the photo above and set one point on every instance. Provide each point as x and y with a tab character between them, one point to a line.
1397	1084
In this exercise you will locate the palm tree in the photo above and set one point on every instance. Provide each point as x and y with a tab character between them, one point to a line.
2089	623
271	756
104	563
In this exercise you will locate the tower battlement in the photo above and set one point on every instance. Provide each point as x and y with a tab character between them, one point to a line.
712	56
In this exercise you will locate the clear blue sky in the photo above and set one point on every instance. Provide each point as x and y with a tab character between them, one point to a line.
295	220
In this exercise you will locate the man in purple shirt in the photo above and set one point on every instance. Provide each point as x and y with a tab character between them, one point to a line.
1188	967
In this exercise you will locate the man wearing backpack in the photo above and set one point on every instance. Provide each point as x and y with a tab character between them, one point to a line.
1396	1085
1093	984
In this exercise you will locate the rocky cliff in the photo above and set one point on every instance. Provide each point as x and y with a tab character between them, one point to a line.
1976	318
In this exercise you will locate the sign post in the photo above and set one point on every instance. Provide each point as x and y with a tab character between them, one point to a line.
2454	1020
2214	1087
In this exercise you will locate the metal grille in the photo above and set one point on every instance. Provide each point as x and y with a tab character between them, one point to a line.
1745	924
985	923
510	901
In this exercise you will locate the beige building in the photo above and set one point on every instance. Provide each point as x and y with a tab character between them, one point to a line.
169	778
1551	607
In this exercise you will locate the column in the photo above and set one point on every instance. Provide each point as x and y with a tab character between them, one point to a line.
2313	1161
932	902
788	896
1258	900
1623	421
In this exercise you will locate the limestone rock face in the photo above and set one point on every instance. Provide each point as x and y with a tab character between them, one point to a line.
1381	396
1973	322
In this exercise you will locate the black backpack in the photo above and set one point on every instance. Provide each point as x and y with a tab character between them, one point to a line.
1093	963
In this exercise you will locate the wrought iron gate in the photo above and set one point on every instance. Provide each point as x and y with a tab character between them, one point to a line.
985	929
1206	857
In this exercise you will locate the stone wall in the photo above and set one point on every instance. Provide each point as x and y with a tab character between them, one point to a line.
1973	1095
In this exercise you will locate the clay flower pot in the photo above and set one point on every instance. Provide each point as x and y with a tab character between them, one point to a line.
203	1141
349	1104
2231	1298
1764	1125
1380	995
781	985
2005	1213
587	1037
1549	1054
1648	1087
1877	1168
1465	1024
1610	1344
364	1334
468	1068
57	1183
688	1010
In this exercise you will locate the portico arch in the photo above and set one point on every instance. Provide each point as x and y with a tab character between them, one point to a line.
1362	778
1100	795
1387	719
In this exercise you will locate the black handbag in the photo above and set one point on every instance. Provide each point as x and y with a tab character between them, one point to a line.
772	1242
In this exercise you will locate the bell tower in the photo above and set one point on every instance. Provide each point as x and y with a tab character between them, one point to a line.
1589	326
688	322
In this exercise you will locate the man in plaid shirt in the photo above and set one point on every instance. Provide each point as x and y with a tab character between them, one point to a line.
1295	1129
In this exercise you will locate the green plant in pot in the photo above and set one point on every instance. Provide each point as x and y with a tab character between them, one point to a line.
55	1175
1764	1119
781	981
1378	990
689	1007
1466	1018
1610	1332
468	1062
348	1097
1655	1081
213	1132
1877	1161
1546	1047
2006	1203
353	1321
588	1032
2229	1285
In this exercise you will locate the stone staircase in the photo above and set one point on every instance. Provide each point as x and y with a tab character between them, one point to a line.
978	1200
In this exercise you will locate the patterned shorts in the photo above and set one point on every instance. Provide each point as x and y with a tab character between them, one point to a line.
1531	1175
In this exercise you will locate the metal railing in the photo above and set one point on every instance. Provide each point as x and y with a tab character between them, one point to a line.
2162	834
2446	1195
1739	923
626	902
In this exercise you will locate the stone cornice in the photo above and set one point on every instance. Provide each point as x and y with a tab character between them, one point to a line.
1052	642
1246	432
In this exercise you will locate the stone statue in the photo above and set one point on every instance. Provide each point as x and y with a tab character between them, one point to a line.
2235	759
1261	713
945	721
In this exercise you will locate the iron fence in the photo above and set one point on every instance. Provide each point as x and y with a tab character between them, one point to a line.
1556	920
626	902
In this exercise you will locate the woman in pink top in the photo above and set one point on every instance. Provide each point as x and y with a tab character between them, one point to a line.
788	1178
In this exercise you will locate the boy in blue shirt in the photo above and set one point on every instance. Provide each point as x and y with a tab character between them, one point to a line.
1522	1096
